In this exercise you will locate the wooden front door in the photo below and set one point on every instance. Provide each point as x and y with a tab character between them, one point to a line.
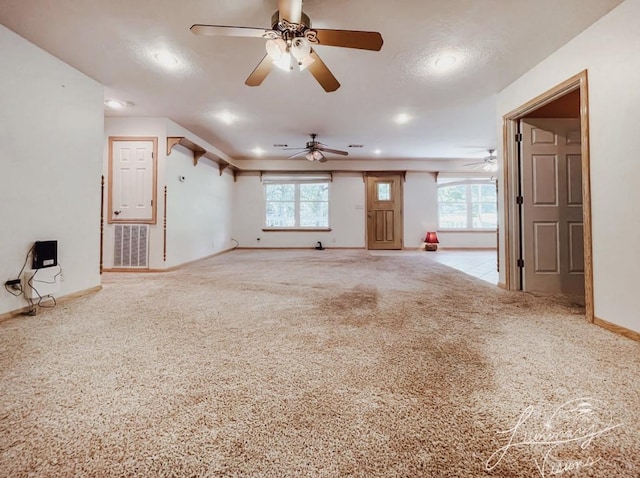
552	227
384	211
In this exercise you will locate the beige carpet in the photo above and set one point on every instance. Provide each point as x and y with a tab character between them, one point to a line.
316	363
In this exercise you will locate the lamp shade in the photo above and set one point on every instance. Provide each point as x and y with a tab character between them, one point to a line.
432	238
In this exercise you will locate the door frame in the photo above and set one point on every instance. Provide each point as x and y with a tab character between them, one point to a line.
381	174
510	180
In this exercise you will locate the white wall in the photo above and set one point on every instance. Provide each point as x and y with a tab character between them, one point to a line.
421	216
50	164
132	127
346	215
610	51
420	207
198	209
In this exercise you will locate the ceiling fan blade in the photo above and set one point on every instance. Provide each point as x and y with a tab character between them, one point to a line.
322	160
333	151
260	72
219	30
321	73
290	10
284	149
298	154
350	39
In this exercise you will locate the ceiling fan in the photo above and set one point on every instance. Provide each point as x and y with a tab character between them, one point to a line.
314	150
489	163
290	40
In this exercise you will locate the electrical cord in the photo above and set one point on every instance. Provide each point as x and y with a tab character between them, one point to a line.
12	292
237	244
41	298
26	259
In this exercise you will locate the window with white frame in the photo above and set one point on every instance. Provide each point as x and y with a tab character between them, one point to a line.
467	203
296	202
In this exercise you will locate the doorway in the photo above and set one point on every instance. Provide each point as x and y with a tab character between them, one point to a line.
547	194
384	211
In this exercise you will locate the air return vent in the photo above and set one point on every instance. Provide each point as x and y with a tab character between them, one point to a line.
130	246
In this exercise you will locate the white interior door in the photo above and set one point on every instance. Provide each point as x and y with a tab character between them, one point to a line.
552	226
132	181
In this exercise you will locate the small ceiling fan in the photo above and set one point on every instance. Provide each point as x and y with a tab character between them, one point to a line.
290	40
489	163
314	150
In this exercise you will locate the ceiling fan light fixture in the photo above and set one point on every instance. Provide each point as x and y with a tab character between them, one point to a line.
305	62
286	62
280	53
300	48
276	47
314	155
490	166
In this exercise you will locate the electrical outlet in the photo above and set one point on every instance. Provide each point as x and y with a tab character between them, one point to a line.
15	284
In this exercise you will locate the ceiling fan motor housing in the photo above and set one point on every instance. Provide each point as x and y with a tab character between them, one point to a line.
275	22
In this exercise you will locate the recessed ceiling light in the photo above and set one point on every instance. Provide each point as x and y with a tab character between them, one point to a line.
166	59
377	151
226	117
445	62
258	151
117	104
402	118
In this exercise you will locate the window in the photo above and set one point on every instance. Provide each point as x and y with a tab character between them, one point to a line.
296	203
384	191
465	203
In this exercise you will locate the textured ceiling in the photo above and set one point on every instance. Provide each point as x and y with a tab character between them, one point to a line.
453	113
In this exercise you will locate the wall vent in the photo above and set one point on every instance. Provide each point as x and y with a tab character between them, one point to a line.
130	248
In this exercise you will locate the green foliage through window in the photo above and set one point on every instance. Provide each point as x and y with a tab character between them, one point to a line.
468	205
303	205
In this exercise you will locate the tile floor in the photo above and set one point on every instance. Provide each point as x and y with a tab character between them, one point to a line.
480	263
